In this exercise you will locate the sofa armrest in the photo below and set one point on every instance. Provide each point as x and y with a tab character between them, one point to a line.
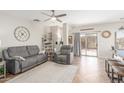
45	53
11	59
56	53
13	66
69	58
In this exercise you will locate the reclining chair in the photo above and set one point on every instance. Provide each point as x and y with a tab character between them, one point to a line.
65	55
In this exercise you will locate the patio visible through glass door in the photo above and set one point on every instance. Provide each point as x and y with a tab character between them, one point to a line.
89	44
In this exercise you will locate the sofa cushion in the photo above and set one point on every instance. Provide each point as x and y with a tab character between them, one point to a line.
41	57
18	51
62	58
29	61
33	50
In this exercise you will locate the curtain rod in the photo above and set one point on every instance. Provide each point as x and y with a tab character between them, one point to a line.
88	32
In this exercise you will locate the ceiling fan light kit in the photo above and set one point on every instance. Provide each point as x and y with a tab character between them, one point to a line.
53	16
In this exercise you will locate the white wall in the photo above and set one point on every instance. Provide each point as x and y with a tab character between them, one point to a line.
9	23
104	44
65	33
57	33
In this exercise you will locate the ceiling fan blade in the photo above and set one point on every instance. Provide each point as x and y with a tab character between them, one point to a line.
46	14
61	15
36	20
47	19
58	20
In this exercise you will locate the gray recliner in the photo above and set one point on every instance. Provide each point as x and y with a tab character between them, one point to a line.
15	64
65	55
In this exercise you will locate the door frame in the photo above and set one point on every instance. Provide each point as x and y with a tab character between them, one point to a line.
86	33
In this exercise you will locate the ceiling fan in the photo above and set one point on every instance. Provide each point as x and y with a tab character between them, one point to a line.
53	16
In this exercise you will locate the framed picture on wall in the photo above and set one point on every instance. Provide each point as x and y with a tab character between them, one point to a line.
70	39
106	34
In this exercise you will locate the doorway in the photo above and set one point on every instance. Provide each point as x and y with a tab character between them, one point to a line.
89	44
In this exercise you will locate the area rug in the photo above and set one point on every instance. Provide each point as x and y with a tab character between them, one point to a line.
48	72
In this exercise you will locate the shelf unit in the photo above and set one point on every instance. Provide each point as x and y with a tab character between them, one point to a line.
51	36
48	44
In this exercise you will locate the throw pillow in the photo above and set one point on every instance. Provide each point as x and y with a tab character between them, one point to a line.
19	57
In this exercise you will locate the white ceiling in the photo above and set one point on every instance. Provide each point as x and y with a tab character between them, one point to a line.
73	16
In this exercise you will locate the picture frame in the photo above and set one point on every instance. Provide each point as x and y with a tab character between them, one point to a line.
70	39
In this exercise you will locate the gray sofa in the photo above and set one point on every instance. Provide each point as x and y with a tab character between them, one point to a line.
30	54
65	55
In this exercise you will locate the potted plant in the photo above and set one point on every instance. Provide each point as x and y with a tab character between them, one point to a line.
1	70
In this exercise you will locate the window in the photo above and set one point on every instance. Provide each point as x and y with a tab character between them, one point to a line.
70	39
119	40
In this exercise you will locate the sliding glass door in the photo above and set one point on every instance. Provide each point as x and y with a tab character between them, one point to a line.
89	44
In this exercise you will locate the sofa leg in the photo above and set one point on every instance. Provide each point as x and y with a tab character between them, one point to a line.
112	77
108	72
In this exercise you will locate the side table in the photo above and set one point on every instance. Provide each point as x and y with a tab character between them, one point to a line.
3	65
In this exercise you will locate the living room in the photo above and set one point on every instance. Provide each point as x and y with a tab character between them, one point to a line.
86	39
40	34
